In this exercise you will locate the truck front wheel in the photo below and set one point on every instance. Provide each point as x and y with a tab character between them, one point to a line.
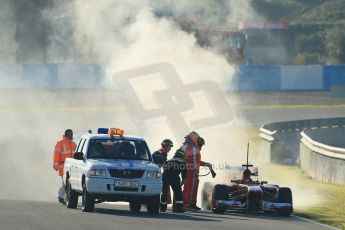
153	205
134	206
88	202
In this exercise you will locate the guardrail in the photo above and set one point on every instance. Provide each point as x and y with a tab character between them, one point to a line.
281	140
290	143
303	124
322	162
326	150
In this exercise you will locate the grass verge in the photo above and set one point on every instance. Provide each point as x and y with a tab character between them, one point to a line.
321	202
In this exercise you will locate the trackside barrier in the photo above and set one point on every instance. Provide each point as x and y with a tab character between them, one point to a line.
308	77
280	141
260	78
322	162
291	143
333	75
288	77
246	78
36	76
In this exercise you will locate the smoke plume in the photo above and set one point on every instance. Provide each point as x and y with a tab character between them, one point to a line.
121	36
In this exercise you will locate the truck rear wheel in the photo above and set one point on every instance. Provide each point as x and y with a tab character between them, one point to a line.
153	205
71	197
88	202
134	206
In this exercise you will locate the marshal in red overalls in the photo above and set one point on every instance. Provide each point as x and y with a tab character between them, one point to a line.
193	162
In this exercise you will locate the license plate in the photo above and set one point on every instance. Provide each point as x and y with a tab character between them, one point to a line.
126	184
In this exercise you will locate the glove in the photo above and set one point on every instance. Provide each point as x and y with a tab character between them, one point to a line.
206	164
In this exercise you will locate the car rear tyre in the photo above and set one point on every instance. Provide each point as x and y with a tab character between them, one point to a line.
220	192
134	206
88	202
153	205
71	197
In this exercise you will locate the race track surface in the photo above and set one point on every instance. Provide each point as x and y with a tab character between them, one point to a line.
31	122
27	215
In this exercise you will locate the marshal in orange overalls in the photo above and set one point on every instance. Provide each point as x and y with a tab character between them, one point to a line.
63	149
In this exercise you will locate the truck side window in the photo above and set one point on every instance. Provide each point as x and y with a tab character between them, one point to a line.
81	140
82	146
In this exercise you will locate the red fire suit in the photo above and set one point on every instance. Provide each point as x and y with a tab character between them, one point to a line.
193	163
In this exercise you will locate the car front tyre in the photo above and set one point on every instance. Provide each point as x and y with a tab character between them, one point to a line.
220	192
254	201
285	196
88	202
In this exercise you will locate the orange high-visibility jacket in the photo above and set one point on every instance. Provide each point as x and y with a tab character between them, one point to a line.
63	149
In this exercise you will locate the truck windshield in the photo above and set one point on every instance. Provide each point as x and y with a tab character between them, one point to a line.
118	149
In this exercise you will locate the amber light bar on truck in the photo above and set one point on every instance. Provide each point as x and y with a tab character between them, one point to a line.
111	131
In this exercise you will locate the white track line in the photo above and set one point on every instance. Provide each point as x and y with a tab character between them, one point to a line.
314	222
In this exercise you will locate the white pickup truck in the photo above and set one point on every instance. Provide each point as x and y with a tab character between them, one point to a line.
112	167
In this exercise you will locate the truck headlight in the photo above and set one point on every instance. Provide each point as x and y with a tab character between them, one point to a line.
97	172
153	174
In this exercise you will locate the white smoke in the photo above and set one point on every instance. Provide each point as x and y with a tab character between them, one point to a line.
242	11
121	35
8	32
129	34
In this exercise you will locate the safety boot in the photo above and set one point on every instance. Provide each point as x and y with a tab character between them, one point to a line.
163	207
193	207
61	200
178	208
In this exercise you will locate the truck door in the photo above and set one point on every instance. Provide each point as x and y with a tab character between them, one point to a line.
75	167
80	165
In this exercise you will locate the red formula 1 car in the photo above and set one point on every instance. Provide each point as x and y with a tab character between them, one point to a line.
247	195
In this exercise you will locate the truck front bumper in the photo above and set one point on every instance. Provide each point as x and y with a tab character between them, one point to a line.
106	187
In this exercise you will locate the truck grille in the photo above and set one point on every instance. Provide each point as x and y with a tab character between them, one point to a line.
126	173
125	189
